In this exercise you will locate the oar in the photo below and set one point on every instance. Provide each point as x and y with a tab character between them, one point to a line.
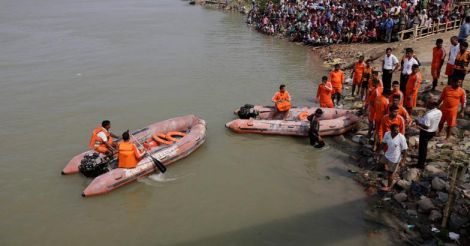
157	163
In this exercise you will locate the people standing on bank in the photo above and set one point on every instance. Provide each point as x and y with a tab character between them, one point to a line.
397	92
454	49
336	78
395	154
438	56
357	74
464	30
314	130
406	68
412	88
381	104
452	96
461	62
428	125
395	101
324	93
376	89
282	101
389	66
366	77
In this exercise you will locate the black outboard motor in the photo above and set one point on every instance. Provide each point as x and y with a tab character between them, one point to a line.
92	165
247	111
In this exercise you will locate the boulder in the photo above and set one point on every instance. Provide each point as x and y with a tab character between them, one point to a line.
400	197
404	184
411	175
357	138
463	123
425	204
413	142
442	197
438	184
435	216
431	170
412	213
456	221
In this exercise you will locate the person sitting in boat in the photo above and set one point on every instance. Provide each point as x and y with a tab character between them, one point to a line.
314	131
282	101
102	139
128	153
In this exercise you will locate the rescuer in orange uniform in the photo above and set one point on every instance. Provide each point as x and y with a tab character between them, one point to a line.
452	96
381	104
392	118
397	92
336	78
366	77
461	62
412	88
324	93
375	91
438	56
357	74
282	101
128	154
101	139
395	100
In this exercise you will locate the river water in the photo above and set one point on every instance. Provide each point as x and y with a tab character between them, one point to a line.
65	65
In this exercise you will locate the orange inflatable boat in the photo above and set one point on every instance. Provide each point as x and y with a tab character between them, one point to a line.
333	121
179	137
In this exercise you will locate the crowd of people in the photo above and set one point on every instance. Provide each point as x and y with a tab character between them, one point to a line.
389	104
323	22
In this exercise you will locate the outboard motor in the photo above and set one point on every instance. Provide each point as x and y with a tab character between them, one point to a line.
92	165
247	111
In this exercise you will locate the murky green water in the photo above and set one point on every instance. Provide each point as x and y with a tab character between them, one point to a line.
66	65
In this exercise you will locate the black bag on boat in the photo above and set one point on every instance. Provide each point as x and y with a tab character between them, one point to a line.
92	165
247	111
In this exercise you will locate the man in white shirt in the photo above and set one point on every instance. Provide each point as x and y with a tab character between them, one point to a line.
406	67
395	154
454	49
428	125
389	66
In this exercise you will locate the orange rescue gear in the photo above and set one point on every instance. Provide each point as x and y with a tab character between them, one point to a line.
324	95
451	99
128	155
96	142
399	93
380	108
462	60
387	122
281	96
438	56
337	78
161	139
412	87
358	72
373	94
170	136
303	116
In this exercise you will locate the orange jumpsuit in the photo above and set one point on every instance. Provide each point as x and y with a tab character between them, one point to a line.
358	72
128	155
412	88
438	55
404	114
337	78
374	93
380	109
399	93
451	98
387	122
324	95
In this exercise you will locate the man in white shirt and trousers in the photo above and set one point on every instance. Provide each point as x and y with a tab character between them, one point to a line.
395	155
428	125
389	65
406	68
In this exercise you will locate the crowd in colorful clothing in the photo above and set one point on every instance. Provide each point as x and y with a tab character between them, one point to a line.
323	22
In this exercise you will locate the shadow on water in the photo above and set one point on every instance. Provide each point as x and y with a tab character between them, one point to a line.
297	230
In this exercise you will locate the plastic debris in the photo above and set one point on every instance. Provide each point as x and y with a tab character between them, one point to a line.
454	236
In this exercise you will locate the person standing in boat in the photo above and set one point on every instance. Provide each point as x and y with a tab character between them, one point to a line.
336	78
128	153
282	101
314	130
102	139
324	93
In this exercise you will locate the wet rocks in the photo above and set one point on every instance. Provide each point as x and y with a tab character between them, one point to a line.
412	175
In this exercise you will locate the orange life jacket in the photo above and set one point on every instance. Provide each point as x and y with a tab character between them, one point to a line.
462	60
128	156
283	106
96	141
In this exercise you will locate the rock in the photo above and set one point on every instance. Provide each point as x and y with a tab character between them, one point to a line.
413	142
362	132
439	164
366	152
400	197
419	111
431	170
411	175
405	185
357	105
442	197
425	204
435	215
356	138
438	184
412	213
466	133
463	123
456	221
